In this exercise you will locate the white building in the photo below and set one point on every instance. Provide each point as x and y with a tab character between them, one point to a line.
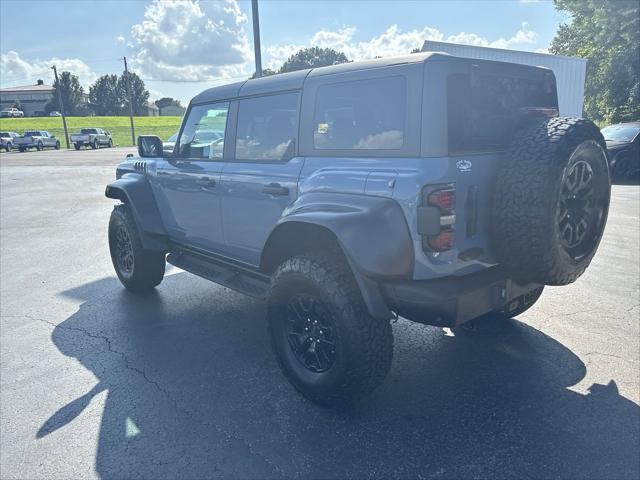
569	72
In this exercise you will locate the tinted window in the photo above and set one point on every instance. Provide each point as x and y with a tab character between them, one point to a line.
203	134
361	115
88	131
484	113
267	127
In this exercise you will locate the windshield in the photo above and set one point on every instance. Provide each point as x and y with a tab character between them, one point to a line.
32	134
4	134
173	138
621	133
88	130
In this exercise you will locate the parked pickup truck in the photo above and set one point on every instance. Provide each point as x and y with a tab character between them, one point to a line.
92	137
441	189
11	112
6	140
37	139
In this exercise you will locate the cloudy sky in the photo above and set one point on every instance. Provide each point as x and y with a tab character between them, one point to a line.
180	47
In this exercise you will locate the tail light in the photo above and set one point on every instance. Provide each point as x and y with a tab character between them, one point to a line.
442	241
436	217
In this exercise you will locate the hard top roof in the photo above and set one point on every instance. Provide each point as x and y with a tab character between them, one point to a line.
294	80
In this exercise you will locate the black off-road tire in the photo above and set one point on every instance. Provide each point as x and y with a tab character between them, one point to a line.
57	147
146	267
94	144
363	346
21	149
530	199
39	146
76	146
110	144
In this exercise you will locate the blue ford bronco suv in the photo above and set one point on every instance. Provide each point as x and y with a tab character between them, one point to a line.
437	188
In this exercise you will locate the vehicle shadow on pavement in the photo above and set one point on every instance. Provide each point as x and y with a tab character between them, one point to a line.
194	392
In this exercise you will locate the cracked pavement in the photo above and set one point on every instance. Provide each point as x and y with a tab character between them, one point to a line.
96	382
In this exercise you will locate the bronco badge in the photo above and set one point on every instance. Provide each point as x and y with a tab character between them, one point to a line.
464	165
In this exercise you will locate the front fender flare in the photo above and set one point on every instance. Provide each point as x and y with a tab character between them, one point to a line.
134	190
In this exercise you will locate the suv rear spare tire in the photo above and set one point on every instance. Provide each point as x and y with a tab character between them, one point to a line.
550	201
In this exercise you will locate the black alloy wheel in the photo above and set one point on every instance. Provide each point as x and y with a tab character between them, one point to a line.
124	252
310	333
581	209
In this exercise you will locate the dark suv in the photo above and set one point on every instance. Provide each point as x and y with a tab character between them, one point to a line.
438	188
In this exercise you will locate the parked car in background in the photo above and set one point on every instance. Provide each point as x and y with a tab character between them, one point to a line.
167	146
7	140
55	113
623	144
348	195
92	137
11	112
38	139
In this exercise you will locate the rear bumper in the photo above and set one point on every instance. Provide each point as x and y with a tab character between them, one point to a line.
452	301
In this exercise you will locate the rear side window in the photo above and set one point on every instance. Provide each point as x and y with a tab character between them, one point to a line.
484	112
267	127
361	115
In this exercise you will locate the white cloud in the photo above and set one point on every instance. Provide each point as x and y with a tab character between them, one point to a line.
182	40
120	39
16	70
393	41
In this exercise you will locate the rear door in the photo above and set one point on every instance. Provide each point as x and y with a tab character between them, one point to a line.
261	178
187	186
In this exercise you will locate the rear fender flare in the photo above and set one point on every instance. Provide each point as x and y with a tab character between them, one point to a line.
371	232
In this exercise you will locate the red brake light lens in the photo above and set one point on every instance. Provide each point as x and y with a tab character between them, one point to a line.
442	241
444	199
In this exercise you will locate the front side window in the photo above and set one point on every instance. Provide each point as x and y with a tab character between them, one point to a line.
267	127
203	133
361	115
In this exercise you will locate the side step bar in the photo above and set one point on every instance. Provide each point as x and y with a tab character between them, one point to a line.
252	283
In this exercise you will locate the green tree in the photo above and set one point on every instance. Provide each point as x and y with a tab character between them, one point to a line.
311	58
71	92
17	105
166	101
139	93
265	73
416	50
607	34
103	96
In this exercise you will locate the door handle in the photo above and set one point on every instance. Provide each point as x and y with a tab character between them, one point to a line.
206	182
275	189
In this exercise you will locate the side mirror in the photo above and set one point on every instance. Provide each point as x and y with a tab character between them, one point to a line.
149	146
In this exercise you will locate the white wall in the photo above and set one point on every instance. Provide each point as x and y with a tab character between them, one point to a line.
569	72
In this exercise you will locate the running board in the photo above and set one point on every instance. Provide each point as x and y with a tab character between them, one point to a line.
254	284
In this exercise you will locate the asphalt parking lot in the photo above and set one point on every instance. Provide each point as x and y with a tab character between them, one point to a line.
96	382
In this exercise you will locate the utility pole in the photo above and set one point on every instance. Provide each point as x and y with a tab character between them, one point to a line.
256	37
126	74
64	118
